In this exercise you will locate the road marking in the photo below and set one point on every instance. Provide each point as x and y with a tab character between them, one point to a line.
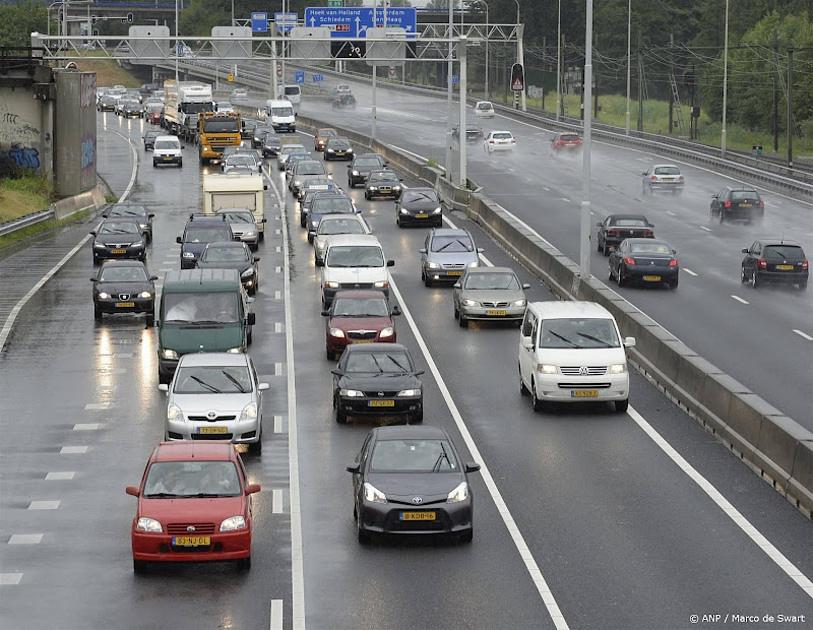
98	406
60	476
275	622
690	272
73	450
740	521
740	300
279	369
519	541
277	231
89	426
671	214
803	334
277	269
297	562
10	579
545	188
276	501
278	327
25	539
44	505
277	295
703	227
278	428
278	249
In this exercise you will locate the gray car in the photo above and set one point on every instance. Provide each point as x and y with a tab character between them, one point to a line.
215	396
489	293
446	255
287	151
243	225
242	162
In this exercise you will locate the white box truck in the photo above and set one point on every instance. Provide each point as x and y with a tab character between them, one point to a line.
235	190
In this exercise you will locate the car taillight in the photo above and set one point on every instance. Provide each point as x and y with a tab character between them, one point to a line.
629	260
653	178
612	232
762	264
727	203
673	262
680	178
648	234
805	264
761	203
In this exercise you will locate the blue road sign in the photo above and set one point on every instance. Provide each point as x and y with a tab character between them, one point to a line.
455	79
259	22
299	76
317	77
285	21
353	22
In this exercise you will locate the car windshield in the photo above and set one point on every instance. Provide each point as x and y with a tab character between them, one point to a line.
387	362
491	281
240	160
339	205
239	217
293	148
167	144
224	105
212	380
629	222
452	244
368	163
744	195
340	226
123	274
155	107
271	140
779	253
220	308
225	254
502	136
282	111
292	90
413	456
192	479
342	145
667	170
383	177
128	211
650	248
310	168
326	133
355	256
420	196
206	235
578	333
113	227
484	106
354	307
221	126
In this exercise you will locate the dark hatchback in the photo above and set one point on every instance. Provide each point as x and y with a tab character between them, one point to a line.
338	149
201	230
232	255
737	204
644	260
131	109
362	165
135	212
260	132
271	144
118	238
419	206
617	227
149	139
383	184
377	379
358	317
780	261
410	480
124	286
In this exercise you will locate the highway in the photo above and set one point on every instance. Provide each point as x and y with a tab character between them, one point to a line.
584	518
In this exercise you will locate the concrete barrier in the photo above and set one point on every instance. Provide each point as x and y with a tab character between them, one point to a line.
93	198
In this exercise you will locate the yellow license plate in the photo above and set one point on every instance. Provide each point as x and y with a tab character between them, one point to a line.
381	403
118	251
418	516
496	312
584	393
191	541
168	158
212	430
455	273
652	278
745	205
125	304
785	267
422	215
362	340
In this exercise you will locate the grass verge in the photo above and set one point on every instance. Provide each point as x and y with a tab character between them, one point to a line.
108	72
37	229
23	195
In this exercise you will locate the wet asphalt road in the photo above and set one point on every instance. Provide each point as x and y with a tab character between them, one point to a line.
623	537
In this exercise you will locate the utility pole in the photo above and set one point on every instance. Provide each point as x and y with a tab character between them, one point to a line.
775	73
790	108
725	84
461	53
595	96
640	86
629	36
584	217
449	107
672	76
559	63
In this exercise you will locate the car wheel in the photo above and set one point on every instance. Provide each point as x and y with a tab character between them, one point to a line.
755	279
416	419
722	216
341	416
619	276
244	564
535	402
599	246
154	164
97	313
456	312
310	237
605	249
426	281
363	537
256	447
367	197
398	221
673	284
464	323
743	276
249	336
467	536
329	354
621	405
150	321
802	285
302	221
139	567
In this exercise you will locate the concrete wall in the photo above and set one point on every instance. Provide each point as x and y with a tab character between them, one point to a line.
75	132
25	139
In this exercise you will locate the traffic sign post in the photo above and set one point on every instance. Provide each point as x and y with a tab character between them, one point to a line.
299	76
284	22
259	22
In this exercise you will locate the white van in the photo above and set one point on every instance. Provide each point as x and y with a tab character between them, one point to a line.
292	93
280	115
167	150
573	352
353	261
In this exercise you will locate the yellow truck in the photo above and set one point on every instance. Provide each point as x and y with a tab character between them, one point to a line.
216	131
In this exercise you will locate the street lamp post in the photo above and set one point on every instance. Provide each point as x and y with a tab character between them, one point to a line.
559	61
485	4
177	48
521	57
629	36
725	83
587	86
449	108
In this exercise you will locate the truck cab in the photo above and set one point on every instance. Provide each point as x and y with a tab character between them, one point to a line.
216	131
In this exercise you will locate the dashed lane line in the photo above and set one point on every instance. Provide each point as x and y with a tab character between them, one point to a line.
802	334
690	272
739	299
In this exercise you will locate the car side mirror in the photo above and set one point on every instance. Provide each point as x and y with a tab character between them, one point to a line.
106	215
337	372
419	373
472	467
183	146
153	277
132	491
598	224
390	263
744	250
96	279
422	250
480	250
320	263
348	166
715	196
396	310
644	173
177	239
93	232
163	387
263	386
525	285
251	319
674	252
527	343
325	313
629	342
253	488
264	221
265	186
353	469
256	259
151	215
456	285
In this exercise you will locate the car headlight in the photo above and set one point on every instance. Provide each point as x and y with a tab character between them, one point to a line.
146	524
473	263
104	296
404	211
145	295
143	226
250	234
297	183
235	350
433	265
233	523
249	412
544	368
99	245
330	284
386	332
373	494
382	284
355	173
470	303
351	393
337	332
396	187
248	273
174	413
520	302
331	151
166	353
460	493
437	210
314	224
618	368
188	255
372	188
409	393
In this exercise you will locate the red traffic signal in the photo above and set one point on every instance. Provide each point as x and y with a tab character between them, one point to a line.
517	78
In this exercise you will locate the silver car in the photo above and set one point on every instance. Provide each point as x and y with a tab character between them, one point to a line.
215	396
243	224
446	255
493	293
287	151
662	177
242	162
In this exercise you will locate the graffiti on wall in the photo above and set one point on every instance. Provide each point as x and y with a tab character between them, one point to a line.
24	157
19	139
88	152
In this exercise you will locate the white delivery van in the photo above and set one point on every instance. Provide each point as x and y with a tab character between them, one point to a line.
292	93
235	190
280	115
572	352
354	261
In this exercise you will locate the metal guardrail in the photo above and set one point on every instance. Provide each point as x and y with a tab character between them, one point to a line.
26	220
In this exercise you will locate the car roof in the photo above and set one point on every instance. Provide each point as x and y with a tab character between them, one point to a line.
779	241
175	138
360	294
206	219
420	189
344	216
474	270
648	241
353	239
384	171
401	432
203	359
235	244
369	155
184	450
376	347
204	280
742	188
118	219
663	165
124	263
566	310
126	206
449	232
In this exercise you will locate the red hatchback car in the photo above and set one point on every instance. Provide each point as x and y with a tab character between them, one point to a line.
362	316
565	140
194	505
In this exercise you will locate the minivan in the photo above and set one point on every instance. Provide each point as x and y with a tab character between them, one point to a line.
293	93
280	114
167	150
202	310
572	352
354	261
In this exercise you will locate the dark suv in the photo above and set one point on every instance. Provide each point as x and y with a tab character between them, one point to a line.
770	260
201	230
362	165
737	204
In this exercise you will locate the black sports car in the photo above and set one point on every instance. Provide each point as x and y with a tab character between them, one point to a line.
644	260
737	204
410	480
118	238
136	213
384	184
232	255
338	149
616	227
362	165
419	206
124	286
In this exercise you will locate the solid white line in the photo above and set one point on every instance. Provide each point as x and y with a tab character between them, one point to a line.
25	539
279	369
690	272
10	579
44	505
277	295
98	406
703	227
12	316
276	501
739	520
89	426
671	214
297	562
519	541
73	450
803	334
740	300
275	622
278	424
60	476
278	327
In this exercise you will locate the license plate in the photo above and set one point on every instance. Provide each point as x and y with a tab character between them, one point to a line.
422	215
212	430
362	340
496	312
584	393
745	205
652	278
191	541
125	304
167	158
785	267
381	403
418	516
118	251
455	273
